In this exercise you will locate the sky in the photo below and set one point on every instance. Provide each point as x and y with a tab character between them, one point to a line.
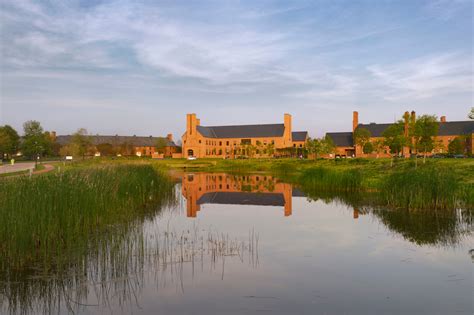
137	67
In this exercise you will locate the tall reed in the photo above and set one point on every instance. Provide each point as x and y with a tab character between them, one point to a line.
49	215
425	187
325	179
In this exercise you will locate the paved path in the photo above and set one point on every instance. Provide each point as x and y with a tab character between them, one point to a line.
18	167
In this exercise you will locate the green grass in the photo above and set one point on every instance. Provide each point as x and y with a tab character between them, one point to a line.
59	212
325	179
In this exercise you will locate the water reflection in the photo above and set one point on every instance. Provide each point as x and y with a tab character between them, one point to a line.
221	188
327	252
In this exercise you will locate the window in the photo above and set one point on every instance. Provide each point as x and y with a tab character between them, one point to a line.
227	143
199	141
220	143
294	145
273	141
246	141
301	145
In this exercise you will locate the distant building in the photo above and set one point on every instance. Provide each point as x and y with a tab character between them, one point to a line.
126	145
241	140
447	131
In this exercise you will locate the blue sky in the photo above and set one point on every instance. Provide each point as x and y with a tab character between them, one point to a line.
137	67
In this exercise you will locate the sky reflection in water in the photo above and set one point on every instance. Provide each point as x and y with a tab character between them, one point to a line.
252	244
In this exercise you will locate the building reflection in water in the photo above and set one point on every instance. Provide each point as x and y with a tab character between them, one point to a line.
220	188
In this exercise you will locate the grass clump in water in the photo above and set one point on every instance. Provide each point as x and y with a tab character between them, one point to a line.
325	179
48	216
425	187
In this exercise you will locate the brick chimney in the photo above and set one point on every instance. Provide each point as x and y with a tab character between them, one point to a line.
406	118
53	135
169	137
287	122
413	116
191	123
355	120
443	119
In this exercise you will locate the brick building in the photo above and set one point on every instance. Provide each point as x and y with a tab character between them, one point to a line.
127	145
447	131
241	140
219	188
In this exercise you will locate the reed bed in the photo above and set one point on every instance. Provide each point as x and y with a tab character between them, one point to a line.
422	188
325	179
50	215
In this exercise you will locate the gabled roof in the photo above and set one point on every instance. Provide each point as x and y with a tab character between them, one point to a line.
118	140
299	135
449	128
341	139
452	128
243	198
376	130
242	131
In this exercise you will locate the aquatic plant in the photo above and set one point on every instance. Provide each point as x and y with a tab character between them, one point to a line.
47	216
425	187
325	179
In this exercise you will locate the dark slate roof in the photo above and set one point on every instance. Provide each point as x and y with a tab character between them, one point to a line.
118	140
376	130
452	128
449	128
243	198
299	135
242	131
341	139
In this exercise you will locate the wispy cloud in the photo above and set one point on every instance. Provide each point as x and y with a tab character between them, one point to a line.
426	77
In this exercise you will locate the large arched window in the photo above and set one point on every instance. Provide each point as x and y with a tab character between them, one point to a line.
190	152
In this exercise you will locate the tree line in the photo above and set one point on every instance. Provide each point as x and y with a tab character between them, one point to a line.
36	143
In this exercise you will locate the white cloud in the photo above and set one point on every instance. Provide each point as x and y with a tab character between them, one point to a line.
426	76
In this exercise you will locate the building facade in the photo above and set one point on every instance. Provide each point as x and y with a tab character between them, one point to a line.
126	145
242	140
447	132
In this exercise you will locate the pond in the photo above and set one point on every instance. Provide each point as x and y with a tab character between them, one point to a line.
247	244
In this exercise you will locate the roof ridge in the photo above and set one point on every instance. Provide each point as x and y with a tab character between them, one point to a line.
241	125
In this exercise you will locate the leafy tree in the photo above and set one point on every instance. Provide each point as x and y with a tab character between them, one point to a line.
9	141
161	144
457	146
471	114
368	148
270	149
395	139
328	145
426	128
81	142
362	137
314	147
35	141
106	149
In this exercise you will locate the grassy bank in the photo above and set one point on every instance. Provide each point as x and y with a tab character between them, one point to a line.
60	212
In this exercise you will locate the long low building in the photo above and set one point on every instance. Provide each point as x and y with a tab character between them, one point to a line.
447	132
242	140
127	145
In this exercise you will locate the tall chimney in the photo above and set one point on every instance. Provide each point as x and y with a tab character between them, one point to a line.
169	137
355	120
413	117
406	118
53	135
443	119
287	123
191	123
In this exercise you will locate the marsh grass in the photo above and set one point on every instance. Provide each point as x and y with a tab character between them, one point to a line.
424	187
325	179
48	216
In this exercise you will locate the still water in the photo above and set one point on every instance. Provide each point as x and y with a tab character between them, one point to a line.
254	244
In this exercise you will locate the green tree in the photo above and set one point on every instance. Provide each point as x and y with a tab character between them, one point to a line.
9	141
327	145
426	129
457	146
81	142
395	139
36	142
106	149
368	148
314	147
362	137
